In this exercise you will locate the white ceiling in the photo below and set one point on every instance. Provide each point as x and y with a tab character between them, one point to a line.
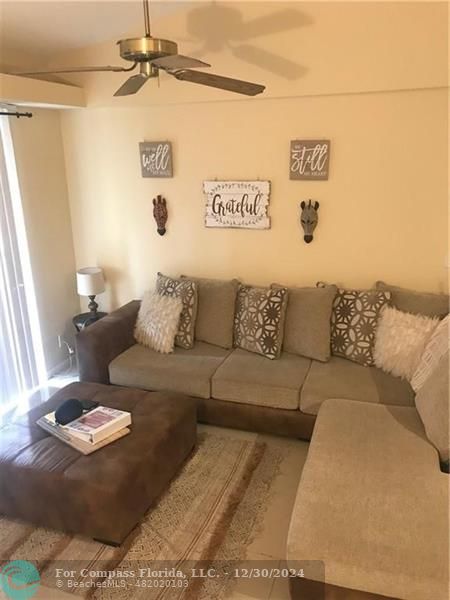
44	28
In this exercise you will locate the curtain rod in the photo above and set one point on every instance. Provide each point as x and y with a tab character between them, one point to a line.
5	113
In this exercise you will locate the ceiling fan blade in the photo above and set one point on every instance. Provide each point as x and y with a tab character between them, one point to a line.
178	61
78	70
218	81
132	85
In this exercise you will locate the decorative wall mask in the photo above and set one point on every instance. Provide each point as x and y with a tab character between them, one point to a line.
160	214
309	218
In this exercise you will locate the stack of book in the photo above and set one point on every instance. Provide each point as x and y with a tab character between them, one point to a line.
92	430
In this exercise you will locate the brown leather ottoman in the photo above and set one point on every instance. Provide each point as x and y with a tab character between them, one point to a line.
105	494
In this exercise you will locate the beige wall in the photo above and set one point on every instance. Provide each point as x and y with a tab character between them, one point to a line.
40	164
383	211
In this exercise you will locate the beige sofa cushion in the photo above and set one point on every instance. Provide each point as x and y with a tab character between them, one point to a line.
215	312
373	504
341	378
432	402
307	327
185	371
249	378
418	303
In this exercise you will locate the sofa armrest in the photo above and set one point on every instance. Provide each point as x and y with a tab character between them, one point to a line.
98	344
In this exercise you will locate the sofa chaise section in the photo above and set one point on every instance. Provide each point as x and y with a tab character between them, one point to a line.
373	506
185	371
342	378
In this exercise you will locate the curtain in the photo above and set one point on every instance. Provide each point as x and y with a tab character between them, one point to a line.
19	362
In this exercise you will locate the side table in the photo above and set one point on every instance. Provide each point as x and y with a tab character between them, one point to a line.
84	319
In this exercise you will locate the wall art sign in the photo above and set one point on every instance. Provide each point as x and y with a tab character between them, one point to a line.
309	159
156	159
237	204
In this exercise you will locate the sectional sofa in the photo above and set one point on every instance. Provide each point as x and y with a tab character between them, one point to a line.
372	505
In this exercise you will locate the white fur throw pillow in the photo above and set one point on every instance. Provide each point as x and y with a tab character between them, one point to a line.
437	346
157	322
400	341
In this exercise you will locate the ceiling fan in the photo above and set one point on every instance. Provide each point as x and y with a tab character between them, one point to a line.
154	54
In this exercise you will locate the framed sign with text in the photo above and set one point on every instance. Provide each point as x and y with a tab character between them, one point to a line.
237	204
156	159
309	159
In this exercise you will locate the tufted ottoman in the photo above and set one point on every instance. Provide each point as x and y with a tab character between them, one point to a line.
105	494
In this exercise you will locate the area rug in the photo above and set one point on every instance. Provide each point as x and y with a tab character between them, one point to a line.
205	520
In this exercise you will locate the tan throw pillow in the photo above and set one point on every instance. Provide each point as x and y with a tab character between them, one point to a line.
418	303
437	346
400	341
259	320
307	329
354	320
215	314
157	322
432	403
187	291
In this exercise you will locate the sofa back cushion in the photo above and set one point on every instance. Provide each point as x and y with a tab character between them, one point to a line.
432	403
354	320
259	320
307	328
418	303
187	291
215	314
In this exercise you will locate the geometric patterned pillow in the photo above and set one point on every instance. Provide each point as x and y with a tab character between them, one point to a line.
354	321
259	320
187	291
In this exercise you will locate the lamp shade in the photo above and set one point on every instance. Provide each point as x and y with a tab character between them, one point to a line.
90	281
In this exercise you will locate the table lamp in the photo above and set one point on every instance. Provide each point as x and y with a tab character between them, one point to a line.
90	282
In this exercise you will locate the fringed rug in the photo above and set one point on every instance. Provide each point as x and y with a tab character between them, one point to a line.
207	517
